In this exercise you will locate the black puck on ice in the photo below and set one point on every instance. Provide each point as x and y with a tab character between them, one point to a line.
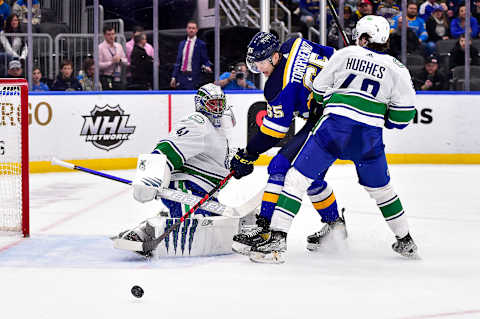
137	291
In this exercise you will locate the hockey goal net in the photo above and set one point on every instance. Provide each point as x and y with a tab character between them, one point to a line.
14	203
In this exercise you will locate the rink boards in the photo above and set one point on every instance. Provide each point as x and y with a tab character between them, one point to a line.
109	130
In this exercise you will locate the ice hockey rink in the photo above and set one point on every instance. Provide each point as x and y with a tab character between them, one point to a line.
68	268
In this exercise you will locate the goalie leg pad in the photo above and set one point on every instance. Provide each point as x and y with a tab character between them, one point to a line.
195	237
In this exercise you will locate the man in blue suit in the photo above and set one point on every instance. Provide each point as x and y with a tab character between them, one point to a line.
191	59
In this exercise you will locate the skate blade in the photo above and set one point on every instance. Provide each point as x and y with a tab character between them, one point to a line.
241	248
313	247
414	256
274	257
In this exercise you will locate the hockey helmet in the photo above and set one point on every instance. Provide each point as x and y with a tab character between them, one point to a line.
211	101
262	46
377	27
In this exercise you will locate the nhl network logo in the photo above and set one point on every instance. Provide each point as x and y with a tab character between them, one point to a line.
106	127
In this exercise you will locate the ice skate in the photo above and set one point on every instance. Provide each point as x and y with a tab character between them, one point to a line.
329	230
406	247
251	236
141	233
270	251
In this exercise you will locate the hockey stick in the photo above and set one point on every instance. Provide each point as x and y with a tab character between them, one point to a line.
178	196
346	41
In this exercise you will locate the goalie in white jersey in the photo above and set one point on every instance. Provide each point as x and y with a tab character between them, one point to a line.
194	158
363	90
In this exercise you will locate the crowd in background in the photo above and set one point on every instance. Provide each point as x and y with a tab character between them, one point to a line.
429	22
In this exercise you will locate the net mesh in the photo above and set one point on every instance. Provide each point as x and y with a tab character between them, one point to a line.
10	158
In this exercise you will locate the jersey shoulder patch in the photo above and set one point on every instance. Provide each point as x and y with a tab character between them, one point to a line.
398	63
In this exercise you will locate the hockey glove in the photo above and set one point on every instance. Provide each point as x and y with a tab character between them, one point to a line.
242	163
316	110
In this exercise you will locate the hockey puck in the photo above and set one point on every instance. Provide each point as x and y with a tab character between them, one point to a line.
137	291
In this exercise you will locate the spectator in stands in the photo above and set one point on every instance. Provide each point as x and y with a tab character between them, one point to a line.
111	58
66	81
309	10
457	26
430	78
236	79
364	7
37	84
14	47
4	13
425	10
20	9
15	69
130	44
415	23
141	64
457	55
86	77
437	27
388	9
192	58
476	9
452	7
350	21
413	44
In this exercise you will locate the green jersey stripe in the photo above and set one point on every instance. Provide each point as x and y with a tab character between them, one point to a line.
173	156
194	172
401	116
359	103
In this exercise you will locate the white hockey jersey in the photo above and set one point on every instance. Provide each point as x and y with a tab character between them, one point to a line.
368	87
196	151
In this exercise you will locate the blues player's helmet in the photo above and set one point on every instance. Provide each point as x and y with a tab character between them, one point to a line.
211	101
262	46
377	27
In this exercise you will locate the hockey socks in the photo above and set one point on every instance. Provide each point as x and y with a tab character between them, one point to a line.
391	208
323	200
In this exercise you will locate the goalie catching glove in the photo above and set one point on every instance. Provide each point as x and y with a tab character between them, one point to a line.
152	173
242	163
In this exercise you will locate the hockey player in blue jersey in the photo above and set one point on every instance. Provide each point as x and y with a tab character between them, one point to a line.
291	69
363	90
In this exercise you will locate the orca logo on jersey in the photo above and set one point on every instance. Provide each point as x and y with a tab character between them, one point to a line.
106	127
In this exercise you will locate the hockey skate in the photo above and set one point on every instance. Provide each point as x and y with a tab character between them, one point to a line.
270	251
251	236
141	233
406	247
329	230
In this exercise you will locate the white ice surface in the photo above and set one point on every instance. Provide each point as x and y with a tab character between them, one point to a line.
69	269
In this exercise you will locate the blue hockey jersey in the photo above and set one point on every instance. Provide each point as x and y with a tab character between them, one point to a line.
288	88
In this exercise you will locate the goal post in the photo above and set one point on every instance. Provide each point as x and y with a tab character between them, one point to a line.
14	172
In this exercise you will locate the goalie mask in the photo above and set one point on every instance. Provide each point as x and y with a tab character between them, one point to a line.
211	101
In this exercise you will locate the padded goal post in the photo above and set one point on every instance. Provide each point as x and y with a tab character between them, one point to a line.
14	187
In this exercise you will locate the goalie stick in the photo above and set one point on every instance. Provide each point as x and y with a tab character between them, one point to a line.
178	196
